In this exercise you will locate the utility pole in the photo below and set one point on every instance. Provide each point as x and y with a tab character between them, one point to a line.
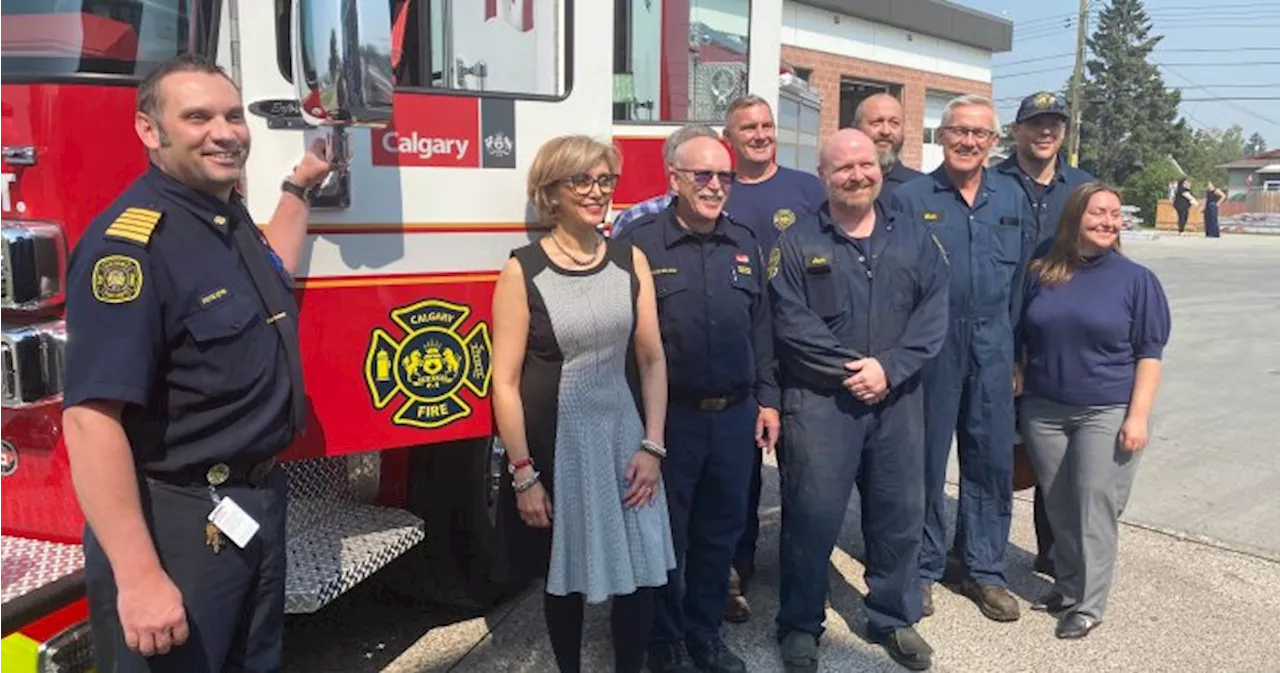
1073	155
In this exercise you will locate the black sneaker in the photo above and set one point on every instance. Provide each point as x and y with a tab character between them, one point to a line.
716	657
909	649
1053	603
800	652
670	658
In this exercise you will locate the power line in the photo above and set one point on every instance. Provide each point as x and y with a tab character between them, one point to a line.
1223	99
1227	50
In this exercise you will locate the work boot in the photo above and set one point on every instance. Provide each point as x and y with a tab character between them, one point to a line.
800	652
716	657
670	658
994	601
736	607
909	649
927	590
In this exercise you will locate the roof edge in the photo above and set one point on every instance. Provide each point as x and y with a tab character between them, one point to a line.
937	18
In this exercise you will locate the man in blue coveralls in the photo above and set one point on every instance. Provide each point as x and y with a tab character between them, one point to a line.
723	394
978	216
860	305
183	383
1046	180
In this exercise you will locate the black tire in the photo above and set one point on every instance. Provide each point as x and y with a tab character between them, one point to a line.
452	487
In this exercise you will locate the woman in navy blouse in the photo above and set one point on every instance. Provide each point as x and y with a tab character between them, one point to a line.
1094	327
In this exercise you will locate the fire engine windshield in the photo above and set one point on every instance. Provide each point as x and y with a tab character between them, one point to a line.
59	38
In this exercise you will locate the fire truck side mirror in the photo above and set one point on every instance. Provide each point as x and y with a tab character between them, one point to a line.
342	61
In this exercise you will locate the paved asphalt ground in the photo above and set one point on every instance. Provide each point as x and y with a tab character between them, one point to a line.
1198	577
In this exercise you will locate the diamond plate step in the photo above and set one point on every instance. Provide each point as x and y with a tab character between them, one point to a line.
335	545
31	564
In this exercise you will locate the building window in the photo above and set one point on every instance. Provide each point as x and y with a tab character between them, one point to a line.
510	47
679	60
799	125
854	91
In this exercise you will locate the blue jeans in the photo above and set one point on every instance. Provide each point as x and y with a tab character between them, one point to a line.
830	435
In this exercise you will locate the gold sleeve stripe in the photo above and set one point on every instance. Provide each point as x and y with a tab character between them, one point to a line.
135	224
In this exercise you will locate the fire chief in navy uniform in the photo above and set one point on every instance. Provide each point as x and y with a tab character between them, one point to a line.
183	382
860	305
718	338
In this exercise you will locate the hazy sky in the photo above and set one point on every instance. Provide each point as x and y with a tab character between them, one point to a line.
1213	51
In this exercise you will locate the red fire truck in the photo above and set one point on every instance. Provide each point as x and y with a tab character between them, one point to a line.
435	107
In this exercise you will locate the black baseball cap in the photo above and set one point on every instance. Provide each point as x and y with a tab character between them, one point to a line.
1041	103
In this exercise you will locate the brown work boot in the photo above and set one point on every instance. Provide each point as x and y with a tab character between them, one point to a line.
736	607
927	590
994	601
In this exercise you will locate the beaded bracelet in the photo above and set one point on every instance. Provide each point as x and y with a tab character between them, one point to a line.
653	448
527	483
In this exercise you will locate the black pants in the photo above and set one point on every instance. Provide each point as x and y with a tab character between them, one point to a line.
234	600
1183	215
631	617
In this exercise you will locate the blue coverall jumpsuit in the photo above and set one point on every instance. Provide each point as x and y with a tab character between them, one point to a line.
835	300
969	386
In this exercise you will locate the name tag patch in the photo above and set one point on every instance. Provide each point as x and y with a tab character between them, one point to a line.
932	216
213	296
663	271
744	270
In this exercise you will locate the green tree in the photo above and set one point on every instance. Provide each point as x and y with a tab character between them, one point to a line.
1255	145
1129	119
1146	187
1209	149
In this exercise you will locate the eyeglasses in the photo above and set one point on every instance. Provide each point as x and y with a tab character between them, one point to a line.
581	183
979	134
703	178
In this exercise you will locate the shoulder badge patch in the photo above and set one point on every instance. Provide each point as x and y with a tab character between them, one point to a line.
783	219
941	249
134	225
775	260
117	279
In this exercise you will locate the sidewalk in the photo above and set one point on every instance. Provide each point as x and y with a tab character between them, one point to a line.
1176	606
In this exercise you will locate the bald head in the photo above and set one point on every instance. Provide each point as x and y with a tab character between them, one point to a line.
881	117
702	150
848	165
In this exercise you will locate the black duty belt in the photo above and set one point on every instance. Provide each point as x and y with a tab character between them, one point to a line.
218	474
702	402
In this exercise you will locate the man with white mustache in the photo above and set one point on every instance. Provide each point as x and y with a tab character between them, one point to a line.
1046	181
860	305
723	397
979	216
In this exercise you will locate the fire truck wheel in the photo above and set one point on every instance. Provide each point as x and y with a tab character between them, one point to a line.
452	487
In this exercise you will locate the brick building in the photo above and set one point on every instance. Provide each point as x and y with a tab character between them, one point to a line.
924	52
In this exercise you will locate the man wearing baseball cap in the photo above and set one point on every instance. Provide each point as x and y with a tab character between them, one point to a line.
1046	179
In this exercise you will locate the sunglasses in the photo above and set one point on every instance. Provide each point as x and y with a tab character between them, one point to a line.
703	178
581	183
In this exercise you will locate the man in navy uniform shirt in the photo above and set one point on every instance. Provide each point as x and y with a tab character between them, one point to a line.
1046	180
183	382
880	117
978	215
718	338
768	198
860	305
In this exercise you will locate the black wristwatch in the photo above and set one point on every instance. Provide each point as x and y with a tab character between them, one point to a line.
300	192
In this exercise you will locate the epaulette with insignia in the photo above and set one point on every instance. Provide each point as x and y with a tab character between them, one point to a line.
134	225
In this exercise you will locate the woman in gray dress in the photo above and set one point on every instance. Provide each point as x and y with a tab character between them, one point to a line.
579	394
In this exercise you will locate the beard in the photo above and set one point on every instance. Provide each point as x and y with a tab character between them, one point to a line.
888	158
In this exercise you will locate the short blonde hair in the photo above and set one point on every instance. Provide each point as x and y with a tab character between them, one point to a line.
560	158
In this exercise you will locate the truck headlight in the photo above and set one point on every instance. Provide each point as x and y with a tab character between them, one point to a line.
35	263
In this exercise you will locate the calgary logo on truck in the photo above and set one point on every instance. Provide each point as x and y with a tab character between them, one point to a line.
430	365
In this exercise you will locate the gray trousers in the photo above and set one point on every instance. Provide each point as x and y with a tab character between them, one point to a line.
1086	477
